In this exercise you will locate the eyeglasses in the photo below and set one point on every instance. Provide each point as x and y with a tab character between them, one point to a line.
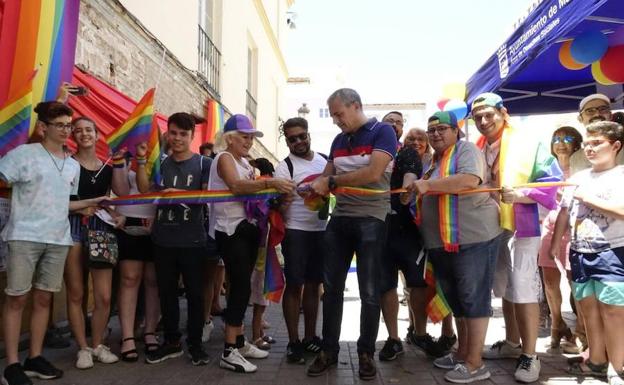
594	143
596	110
59	125
563	139
439	129
297	138
395	122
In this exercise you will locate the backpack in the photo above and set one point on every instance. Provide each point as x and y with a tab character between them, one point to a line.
323	213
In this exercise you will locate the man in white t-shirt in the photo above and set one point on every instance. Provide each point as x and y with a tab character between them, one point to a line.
302	244
44	179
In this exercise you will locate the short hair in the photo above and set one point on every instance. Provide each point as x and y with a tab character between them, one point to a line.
185	120
294	122
618	117
392	112
347	96
46	111
611	130
573	132
206	146
85	119
264	166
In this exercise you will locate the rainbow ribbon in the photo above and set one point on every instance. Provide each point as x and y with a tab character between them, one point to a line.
189	197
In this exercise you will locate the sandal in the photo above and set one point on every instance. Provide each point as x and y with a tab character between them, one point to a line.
131	355
588	368
262	344
150	347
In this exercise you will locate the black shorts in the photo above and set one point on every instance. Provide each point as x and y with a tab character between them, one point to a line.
403	248
134	247
303	256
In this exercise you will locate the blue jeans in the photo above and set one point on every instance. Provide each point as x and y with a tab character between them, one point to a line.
366	238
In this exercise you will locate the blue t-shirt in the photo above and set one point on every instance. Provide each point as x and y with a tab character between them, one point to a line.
40	197
350	152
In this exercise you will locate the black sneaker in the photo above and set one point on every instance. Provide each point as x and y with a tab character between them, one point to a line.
14	375
294	353
446	343
198	356
367	370
41	368
164	352
391	350
313	345
322	363
54	339
428	345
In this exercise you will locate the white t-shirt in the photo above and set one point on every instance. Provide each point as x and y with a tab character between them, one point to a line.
40	197
146	211
299	217
225	216
592	231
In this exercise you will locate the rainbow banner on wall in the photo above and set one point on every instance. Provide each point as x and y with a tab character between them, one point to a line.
15	118
214	120
36	35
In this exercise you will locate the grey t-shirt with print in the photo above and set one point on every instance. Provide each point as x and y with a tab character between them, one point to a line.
182	225
477	213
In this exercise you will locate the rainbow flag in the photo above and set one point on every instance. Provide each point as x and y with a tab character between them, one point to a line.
138	128
437	307
214	120
15	118
37	35
154	154
190	197
274	281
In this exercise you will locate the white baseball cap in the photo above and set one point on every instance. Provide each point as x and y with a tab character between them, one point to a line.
591	97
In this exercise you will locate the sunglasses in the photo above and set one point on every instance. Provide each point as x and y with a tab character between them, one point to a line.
562	139
297	138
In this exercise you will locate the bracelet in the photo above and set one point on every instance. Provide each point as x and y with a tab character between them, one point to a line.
119	163
140	158
141	162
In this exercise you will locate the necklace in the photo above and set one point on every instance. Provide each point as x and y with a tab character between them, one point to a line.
59	169
94	177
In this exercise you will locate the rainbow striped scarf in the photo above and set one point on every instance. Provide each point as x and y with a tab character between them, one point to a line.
448	204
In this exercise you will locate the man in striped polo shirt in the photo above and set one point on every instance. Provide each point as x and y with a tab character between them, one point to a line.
361	156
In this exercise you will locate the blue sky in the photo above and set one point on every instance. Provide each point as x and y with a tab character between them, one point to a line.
397	50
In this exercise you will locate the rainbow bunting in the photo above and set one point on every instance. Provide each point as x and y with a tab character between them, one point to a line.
37	35
15	119
214	120
138	128
437	307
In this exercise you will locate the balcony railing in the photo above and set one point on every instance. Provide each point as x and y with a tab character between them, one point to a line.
252	107
209	61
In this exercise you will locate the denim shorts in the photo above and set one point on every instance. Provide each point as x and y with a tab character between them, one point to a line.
402	252
34	264
303	256
466	277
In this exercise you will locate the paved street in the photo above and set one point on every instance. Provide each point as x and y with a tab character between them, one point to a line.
413	368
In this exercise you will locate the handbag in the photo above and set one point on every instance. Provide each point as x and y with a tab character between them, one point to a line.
101	248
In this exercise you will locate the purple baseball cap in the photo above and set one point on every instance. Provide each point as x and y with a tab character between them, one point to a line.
241	123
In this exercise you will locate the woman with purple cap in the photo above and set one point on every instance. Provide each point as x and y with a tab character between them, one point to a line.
237	235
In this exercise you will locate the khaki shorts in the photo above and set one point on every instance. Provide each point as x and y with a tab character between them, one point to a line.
517	276
34	264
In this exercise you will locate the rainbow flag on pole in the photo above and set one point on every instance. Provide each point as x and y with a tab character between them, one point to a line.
138	128
437	307
37	35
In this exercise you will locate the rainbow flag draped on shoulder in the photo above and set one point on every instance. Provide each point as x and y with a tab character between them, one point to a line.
524	159
37	35
138	128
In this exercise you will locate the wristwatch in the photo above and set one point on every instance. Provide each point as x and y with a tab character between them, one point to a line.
331	183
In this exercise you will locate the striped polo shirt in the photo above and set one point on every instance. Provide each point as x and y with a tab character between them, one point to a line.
350	152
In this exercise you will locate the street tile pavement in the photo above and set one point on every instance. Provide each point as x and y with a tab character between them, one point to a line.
411	368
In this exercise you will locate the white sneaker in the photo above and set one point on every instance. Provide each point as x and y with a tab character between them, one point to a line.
84	359
251	351
103	354
502	349
236	363
527	369
207	330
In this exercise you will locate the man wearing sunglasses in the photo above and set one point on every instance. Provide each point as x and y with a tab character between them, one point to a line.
302	244
593	108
